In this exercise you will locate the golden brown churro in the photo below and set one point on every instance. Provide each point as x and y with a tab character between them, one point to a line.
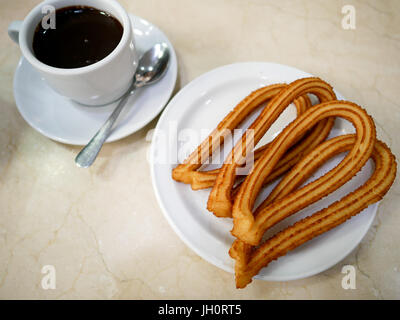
220	198
206	179
249	260
187	170
250	229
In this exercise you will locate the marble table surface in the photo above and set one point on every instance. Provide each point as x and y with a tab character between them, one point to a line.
102	229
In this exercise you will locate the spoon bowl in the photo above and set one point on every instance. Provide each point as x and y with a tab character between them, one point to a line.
152	66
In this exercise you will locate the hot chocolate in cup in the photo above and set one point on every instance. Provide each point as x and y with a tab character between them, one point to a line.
88	77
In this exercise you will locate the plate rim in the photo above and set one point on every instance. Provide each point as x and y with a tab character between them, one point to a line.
173	67
209	258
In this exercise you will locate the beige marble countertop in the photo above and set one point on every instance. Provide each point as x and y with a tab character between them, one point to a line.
102	229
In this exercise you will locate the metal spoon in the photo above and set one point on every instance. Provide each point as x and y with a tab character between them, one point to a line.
152	65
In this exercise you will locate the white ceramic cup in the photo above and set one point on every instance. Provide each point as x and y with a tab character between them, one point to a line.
97	84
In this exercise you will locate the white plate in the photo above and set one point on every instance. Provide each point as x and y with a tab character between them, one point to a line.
202	104
66	121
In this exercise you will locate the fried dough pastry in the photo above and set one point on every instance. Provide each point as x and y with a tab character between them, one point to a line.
206	179
220	198
316	135
250	229
250	260
187	171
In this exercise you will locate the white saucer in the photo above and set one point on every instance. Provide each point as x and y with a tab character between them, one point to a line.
66	121
200	106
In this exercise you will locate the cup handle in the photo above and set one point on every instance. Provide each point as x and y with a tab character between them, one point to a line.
13	30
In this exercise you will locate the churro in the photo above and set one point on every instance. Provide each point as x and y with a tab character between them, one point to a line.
187	170
250	229
220	198
250	260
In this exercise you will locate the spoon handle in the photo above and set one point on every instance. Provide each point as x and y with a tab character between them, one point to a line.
88	154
